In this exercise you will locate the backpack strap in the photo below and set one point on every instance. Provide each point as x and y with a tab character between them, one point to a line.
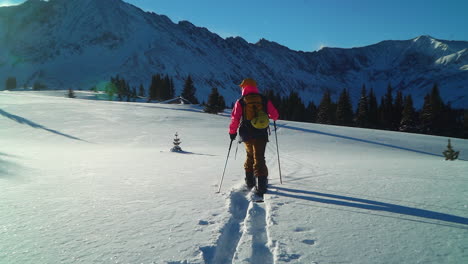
242	103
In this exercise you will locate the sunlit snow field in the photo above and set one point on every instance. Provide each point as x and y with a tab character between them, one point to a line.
85	181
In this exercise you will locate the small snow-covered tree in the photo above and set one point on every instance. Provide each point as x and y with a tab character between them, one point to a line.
176	143
71	93
450	154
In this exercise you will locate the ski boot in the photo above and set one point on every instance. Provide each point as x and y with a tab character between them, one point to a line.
261	186
249	180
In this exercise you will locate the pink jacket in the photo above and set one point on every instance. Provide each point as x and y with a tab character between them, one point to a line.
236	114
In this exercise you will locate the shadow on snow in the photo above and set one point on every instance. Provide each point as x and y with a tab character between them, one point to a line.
359	140
30	123
367	205
192	153
8	168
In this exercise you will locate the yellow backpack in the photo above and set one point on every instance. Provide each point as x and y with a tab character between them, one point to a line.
254	110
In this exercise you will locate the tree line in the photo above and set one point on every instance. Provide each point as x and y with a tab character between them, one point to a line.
11	84
393	113
161	89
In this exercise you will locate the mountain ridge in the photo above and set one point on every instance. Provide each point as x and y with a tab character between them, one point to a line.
77	44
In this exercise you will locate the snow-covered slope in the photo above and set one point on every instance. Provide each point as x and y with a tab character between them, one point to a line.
94	182
79	43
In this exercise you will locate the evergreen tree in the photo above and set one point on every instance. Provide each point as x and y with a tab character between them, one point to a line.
433	113
161	88
171	88
189	91
152	89
381	122
141	91
344	110
325	109
295	108
386	109
450	123
176	142
398	110
39	86
221	103
10	83
426	115
311	113
465	124
213	104
373	110
122	88
362	115
127	91
450	154
155	90
110	89
167	88
134	94
408	120
71	94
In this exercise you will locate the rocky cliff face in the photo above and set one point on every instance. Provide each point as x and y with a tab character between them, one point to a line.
78	43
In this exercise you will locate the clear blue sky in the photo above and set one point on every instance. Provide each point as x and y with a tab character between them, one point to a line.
309	24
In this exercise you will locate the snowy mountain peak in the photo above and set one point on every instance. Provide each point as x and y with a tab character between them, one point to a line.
264	43
423	38
431	42
78	43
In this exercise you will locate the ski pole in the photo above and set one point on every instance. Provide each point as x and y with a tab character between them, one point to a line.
277	151
225	165
237	147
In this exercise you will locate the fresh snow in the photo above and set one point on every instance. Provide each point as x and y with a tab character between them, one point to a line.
86	181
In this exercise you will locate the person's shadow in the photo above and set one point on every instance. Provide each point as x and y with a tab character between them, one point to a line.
366	204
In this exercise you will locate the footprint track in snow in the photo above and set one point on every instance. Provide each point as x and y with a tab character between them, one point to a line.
246	230
230	234
253	246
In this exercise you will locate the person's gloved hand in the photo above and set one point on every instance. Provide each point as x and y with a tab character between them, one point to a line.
233	136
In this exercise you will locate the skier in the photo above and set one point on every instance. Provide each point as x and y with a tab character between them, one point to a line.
246	109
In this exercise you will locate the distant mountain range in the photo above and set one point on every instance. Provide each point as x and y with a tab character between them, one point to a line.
79	43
